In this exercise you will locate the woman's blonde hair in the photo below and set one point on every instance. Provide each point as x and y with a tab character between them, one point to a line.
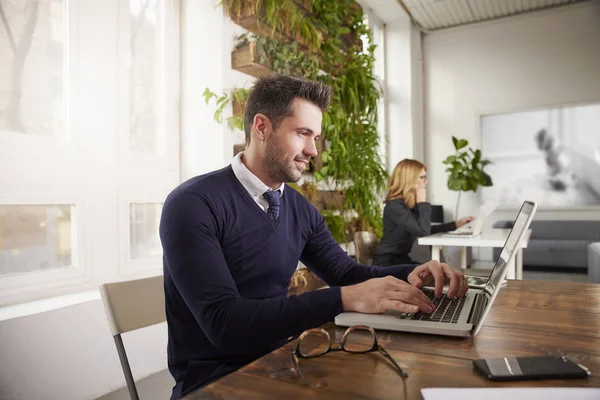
404	180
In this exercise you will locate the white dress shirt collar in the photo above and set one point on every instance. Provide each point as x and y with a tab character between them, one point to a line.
251	183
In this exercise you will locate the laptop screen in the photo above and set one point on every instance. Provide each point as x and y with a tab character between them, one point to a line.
520	225
517	232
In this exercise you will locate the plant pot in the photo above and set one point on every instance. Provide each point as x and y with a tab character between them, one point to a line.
328	200
245	59
248	18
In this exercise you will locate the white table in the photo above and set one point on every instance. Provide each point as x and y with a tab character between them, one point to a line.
488	238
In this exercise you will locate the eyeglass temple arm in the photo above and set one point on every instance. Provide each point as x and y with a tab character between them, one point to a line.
298	370
389	357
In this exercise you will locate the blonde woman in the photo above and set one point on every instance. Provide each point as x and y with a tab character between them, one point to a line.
407	215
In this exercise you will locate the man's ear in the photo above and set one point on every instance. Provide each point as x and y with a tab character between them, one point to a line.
261	127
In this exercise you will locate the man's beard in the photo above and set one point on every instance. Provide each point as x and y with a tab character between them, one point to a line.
279	168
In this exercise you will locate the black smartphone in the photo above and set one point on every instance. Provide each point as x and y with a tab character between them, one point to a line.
526	368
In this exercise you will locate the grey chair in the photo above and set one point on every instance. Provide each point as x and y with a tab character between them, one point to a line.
130	306
365	243
594	262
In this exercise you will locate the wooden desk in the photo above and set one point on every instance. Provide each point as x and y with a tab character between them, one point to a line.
529	318
488	238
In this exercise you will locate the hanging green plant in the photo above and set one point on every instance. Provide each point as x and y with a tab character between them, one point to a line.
342	57
285	19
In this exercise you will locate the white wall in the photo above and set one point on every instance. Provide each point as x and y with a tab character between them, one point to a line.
546	58
202	67
69	353
403	95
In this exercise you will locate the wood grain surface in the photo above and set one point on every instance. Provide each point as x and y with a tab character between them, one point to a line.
529	318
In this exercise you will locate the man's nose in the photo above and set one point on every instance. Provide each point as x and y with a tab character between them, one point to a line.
311	149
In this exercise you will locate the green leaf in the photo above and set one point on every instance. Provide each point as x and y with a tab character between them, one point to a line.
449	160
487	180
221	100
454	185
318	176
208	95
237	122
218	115
460	143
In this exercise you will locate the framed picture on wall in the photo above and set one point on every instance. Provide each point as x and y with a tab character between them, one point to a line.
551	156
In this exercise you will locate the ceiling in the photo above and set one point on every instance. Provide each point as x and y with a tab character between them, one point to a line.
432	15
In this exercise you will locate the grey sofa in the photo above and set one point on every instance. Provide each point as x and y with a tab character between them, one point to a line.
557	244
594	263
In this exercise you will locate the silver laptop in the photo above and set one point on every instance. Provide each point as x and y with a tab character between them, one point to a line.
456	317
475	227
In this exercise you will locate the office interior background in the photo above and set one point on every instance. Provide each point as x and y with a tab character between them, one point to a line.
102	113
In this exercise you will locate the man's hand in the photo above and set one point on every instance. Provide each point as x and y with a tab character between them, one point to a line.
378	295
439	274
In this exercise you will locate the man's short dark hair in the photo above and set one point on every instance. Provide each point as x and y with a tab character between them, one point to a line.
274	97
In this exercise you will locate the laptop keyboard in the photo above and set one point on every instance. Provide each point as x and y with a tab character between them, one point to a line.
446	310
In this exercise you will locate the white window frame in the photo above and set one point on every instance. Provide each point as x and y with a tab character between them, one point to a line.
94	173
127	196
79	271
24	143
167	84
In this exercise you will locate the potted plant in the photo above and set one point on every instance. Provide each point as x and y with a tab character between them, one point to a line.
466	170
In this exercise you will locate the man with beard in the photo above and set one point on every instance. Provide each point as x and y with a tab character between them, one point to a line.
232	240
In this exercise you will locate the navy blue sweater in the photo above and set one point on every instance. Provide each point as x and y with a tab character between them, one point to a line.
227	270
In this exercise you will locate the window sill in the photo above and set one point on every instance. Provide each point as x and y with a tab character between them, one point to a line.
44	305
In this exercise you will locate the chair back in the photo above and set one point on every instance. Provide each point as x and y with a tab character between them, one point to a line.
132	305
365	243
129	306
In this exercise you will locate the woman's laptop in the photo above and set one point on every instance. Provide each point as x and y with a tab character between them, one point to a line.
474	228
456	317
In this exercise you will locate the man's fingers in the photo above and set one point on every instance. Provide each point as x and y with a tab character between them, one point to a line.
455	280
464	287
399	306
418	283
435	269
409	298
403	287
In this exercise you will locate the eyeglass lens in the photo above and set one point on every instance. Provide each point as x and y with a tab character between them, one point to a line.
313	344
359	340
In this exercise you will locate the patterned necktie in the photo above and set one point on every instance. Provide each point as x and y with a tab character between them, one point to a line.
272	197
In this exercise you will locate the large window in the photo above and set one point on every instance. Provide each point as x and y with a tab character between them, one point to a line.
89	141
32	78
36	238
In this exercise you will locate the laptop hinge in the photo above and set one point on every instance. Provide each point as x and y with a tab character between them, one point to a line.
477	309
